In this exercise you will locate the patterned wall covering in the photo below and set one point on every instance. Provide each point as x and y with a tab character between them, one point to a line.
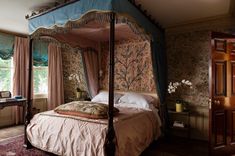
72	63
188	56
133	66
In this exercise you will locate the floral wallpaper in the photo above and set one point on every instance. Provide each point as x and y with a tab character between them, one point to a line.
188	56
72	64
133	66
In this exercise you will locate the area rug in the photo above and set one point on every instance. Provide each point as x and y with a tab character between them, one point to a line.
14	147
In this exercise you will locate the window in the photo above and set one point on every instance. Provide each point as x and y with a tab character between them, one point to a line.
40	80
40	77
6	75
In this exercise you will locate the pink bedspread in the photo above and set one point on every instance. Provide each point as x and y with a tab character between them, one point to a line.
135	129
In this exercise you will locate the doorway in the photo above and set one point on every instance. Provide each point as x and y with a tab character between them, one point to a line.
222	94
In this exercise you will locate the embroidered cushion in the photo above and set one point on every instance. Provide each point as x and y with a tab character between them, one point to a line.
85	109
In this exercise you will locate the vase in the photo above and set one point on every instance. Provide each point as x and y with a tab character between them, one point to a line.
178	107
78	95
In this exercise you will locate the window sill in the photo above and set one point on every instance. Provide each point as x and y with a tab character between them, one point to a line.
40	96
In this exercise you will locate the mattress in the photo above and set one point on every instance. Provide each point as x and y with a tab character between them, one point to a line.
135	128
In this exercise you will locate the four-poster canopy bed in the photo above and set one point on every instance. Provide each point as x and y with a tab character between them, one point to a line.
71	21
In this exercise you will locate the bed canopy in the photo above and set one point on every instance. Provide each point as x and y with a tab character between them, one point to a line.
81	23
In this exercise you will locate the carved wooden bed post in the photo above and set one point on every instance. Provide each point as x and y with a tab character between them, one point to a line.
110	144
28	113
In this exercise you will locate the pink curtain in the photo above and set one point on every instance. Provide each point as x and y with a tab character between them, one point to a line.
92	70
20	77
55	77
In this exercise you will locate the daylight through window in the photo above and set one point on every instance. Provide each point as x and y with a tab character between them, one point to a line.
6	75
40	81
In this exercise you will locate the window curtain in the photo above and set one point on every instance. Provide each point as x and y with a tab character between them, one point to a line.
20	77
55	77
90	61
160	76
6	46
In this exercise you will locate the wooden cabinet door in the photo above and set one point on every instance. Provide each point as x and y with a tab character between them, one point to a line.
222	95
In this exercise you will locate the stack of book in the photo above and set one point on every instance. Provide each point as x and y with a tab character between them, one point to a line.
178	124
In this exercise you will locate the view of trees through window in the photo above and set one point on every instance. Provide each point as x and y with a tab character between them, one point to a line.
40	81
6	75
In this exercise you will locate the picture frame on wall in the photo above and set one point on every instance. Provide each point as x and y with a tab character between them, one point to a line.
5	94
220	45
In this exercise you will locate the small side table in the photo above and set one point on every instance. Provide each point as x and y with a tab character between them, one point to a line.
14	102
181	117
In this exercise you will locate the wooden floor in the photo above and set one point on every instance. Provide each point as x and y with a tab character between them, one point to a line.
9	132
172	146
175	146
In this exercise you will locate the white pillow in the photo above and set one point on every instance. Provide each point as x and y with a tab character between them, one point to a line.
142	101
103	97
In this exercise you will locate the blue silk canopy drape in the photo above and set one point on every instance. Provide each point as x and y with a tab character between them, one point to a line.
76	10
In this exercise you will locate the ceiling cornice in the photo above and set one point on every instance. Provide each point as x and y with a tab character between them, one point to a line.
214	23
200	20
225	19
13	33
50	9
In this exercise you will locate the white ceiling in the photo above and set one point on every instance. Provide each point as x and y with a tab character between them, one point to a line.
12	13
167	12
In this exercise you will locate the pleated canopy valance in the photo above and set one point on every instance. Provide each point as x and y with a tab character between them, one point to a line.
40	53
6	46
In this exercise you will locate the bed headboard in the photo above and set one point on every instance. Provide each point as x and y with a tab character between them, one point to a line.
133	66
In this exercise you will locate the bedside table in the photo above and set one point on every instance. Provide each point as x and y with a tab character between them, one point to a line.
179	123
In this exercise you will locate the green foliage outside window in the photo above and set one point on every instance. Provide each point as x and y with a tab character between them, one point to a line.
40	80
